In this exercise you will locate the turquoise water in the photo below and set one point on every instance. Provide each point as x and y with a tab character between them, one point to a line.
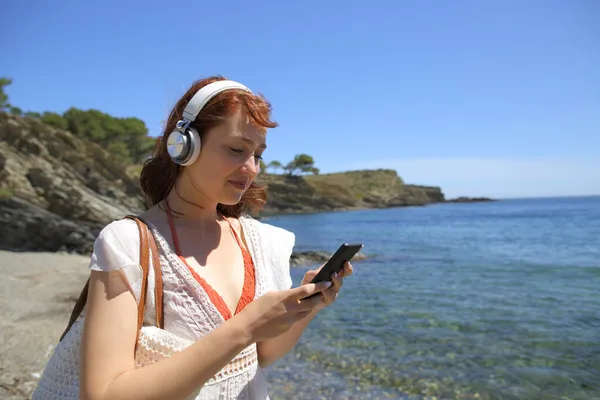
456	301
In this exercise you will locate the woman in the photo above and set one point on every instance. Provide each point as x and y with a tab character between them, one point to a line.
226	282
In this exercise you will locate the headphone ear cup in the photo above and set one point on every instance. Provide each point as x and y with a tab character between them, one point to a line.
194	145
178	145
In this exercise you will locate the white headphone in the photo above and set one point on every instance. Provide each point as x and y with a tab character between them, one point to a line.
183	143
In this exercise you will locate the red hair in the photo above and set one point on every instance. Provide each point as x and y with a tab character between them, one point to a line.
160	173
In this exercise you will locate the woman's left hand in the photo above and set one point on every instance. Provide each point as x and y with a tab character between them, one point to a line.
329	295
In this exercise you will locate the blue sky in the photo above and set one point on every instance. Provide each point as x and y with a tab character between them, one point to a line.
495	98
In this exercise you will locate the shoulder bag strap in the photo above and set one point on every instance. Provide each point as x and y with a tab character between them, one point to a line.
158	283
147	244
144	260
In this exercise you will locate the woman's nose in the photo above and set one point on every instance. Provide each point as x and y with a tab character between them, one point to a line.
251	166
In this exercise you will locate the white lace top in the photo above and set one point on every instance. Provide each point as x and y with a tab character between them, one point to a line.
188	311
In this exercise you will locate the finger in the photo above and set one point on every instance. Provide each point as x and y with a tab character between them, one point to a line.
336	282
347	270
308	289
329	296
312	272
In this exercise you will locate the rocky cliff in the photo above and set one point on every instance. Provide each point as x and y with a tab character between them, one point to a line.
57	190
346	190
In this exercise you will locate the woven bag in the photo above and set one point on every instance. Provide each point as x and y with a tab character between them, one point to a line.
60	379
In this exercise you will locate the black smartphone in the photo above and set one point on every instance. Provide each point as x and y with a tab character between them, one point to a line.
336	263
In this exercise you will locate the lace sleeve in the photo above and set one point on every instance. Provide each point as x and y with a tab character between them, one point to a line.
116	250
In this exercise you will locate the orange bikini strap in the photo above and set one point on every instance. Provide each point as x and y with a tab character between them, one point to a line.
173	230
176	238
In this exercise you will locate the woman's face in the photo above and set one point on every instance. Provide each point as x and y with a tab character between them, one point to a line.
229	160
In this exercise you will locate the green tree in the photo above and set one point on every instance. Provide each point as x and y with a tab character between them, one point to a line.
85	124
33	114
119	149
126	138
302	163
55	120
135	134
275	165
15	110
131	134
3	96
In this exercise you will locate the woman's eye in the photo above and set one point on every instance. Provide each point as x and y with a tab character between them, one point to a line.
257	157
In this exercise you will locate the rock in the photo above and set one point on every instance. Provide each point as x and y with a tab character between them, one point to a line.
345	191
463	199
3	172
316	257
39	179
309	257
27	227
58	190
417	195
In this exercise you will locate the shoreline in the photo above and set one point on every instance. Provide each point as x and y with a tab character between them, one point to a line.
458	200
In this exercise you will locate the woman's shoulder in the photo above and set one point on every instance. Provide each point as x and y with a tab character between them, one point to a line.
116	246
270	234
123	230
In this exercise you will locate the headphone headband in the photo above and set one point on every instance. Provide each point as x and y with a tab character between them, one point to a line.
183	143
204	95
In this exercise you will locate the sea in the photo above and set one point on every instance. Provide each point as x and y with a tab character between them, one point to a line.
491	300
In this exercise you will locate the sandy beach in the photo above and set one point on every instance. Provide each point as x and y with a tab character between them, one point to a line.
37	294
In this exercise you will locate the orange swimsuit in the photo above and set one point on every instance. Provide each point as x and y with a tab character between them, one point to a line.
249	287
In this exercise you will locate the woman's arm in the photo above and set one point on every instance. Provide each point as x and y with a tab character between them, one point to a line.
273	349
107	365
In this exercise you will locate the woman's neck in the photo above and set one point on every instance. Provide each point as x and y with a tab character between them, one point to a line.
187	203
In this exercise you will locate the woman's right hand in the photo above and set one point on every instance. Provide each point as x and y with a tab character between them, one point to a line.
275	312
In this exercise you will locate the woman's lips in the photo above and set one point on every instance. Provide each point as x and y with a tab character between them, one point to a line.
239	185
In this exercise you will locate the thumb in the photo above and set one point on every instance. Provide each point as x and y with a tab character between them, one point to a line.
310	274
